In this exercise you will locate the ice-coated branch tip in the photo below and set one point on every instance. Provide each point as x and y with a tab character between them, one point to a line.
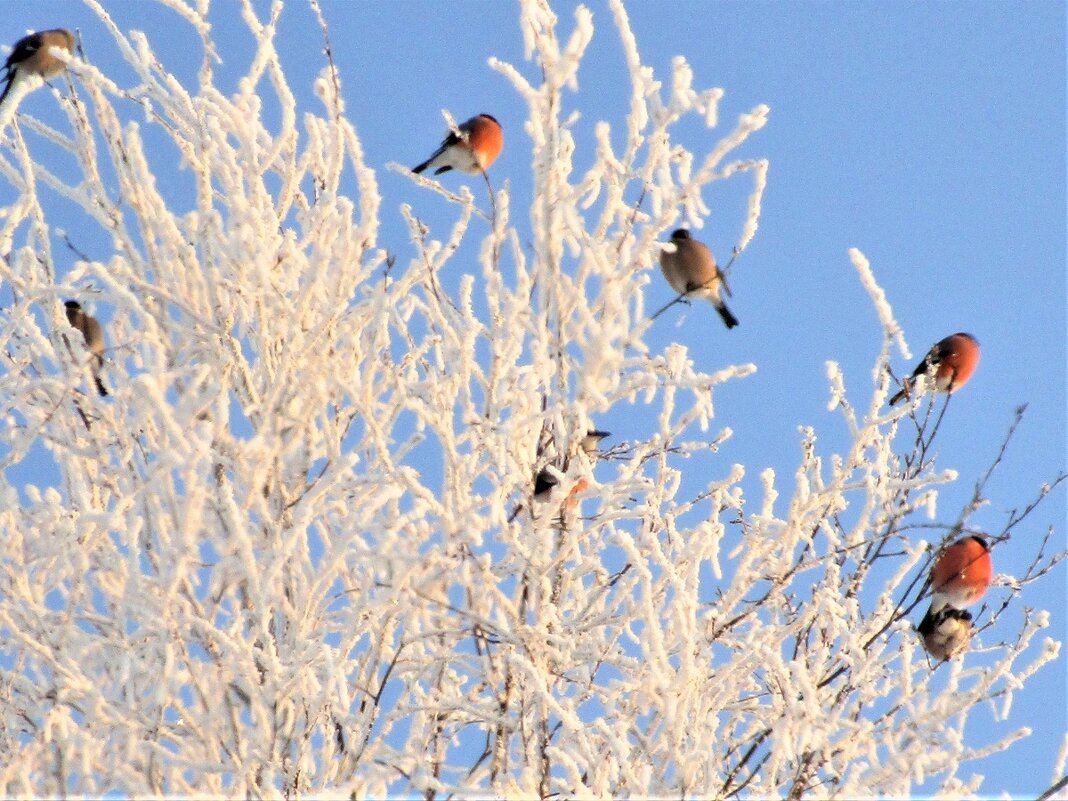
878	297
752	220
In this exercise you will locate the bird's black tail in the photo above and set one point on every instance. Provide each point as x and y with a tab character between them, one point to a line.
902	393
729	319
100	387
426	163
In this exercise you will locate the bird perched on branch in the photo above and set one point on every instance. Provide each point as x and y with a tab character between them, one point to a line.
545	480
32	55
692	270
946	633
473	151
960	576
94	339
950	363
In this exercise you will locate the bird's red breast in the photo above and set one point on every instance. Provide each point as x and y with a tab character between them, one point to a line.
956	357
961	574
486	139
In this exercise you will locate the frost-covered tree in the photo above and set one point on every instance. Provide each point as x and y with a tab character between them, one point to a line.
296	551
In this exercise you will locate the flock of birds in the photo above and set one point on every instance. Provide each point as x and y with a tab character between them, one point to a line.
961	573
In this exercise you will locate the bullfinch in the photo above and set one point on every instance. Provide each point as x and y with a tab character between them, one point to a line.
477	147
32	55
951	363
692	270
545	481
946	633
94	338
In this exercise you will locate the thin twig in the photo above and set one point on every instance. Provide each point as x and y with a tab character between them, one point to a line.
680	299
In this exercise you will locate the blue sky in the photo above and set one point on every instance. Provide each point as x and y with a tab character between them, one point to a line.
930	136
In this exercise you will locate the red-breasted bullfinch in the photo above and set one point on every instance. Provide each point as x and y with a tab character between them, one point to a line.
692	270
952	361
545	481
959	578
94	338
32	55
473	152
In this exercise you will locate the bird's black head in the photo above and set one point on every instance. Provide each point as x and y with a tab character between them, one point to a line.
593	439
490	117
544	482
680	233
73	305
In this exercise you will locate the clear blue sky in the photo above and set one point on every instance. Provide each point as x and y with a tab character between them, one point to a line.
930	136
